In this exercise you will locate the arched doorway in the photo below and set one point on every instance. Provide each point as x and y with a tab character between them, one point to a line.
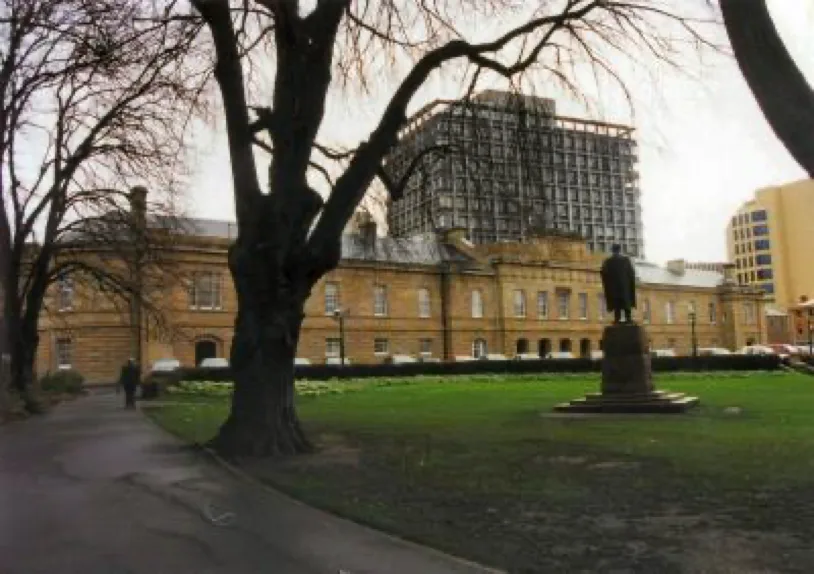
522	346
565	345
205	349
585	348
543	347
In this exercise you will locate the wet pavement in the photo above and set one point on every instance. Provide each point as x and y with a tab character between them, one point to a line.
92	488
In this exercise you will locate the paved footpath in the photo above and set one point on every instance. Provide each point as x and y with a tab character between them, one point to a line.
92	488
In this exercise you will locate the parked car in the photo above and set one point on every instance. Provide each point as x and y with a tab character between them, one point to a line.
527	356
662	353
301	362
496	357
215	363
713	352
597	355
757	350
464	358
804	350
165	365
785	350
336	361
560	355
400	359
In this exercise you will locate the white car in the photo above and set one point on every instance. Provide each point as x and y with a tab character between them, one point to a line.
662	353
165	365
713	351
215	363
301	362
757	350
402	359
597	355
336	361
496	357
560	355
527	357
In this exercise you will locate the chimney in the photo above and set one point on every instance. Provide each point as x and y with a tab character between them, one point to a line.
138	207
729	274
367	230
677	266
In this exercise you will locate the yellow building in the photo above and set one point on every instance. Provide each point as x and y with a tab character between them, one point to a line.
768	240
428	296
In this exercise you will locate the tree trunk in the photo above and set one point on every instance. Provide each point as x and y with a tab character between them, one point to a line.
263	420
23	346
779	87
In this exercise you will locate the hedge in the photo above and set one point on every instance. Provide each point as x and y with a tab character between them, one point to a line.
659	364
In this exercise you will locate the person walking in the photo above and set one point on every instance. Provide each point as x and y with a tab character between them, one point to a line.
129	380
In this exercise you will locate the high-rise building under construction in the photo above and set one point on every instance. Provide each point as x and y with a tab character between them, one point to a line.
505	167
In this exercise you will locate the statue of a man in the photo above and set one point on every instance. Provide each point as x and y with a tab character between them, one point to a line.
619	284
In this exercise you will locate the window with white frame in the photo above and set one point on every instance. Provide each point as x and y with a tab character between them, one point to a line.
477	304
646	313
63	352
542	304
425	347
601	306
331	298
582	299
381	346
479	348
380	307
519	299
424	303
332	347
713	313
670	312
563	303
205	291
65	292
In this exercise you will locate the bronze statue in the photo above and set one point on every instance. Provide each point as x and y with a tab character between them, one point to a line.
619	284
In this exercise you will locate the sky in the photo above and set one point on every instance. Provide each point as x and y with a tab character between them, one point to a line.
704	146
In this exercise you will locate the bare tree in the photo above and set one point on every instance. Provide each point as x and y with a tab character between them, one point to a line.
290	237
779	87
93	96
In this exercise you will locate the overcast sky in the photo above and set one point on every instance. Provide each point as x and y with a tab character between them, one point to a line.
704	147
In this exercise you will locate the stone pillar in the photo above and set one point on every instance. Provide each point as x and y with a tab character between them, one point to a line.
626	364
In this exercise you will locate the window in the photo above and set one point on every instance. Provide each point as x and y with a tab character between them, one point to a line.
331	298
479	349
759	215
764	274
670	311
63	352
582	302
205	291
760	230
425	347
763	259
380	301
563	303
542	304
713	313
646	311
601	306
424	303
768	288
762	244
65	293
332	347
749	313
519	303
381	346
477	304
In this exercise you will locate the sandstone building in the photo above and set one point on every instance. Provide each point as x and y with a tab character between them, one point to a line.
435	296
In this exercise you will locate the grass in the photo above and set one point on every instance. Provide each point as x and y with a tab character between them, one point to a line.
480	467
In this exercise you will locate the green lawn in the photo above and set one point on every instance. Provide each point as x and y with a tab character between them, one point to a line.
482	468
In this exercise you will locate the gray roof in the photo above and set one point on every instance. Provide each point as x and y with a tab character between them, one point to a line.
422	249
652	274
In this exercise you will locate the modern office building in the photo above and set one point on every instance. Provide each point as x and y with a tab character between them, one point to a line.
509	167
769	240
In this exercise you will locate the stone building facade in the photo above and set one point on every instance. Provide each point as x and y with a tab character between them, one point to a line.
431	296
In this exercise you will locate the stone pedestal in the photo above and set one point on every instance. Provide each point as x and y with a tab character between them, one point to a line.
627	383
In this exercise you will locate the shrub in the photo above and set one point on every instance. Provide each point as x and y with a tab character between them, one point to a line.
156	384
66	381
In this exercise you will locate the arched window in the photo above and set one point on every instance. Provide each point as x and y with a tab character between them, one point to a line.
585	348
543	347
205	349
479	348
565	345
522	346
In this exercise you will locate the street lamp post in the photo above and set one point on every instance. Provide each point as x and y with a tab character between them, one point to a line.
339	315
692	334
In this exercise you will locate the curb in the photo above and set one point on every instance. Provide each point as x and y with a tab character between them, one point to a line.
245	476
